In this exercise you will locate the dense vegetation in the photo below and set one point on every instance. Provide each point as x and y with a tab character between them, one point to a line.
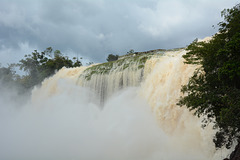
112	57
38	66
214	89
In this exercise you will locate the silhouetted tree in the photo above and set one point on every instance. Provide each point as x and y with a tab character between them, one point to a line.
112	57
214	89
41	65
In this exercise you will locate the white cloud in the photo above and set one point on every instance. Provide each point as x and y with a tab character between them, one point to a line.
13	55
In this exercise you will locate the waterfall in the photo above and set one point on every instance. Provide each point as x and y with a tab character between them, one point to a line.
107	78
123	110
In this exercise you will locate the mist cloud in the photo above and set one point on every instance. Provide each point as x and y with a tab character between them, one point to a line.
62	120
67	126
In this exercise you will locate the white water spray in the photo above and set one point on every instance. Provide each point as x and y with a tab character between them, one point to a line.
139	120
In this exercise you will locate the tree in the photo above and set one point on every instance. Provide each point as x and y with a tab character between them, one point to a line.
214	89
112	57
42	65
9	80
89	63
8	75
131	51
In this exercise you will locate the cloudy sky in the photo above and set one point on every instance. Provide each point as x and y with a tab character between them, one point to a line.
92	29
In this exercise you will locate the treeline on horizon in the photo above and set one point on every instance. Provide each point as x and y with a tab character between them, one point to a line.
37	66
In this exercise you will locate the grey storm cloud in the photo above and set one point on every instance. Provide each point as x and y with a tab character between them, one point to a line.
92	29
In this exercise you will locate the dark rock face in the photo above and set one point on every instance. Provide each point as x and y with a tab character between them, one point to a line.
235	155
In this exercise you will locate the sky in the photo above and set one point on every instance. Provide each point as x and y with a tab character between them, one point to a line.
93	29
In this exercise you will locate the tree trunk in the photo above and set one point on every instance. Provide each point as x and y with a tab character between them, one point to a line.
235	155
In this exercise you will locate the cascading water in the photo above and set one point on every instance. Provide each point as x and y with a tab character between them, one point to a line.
107	78
137	119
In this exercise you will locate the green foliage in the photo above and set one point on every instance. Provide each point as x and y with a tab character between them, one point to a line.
112	57
8	75
10	80
41	65
89	63
214	89
131	51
